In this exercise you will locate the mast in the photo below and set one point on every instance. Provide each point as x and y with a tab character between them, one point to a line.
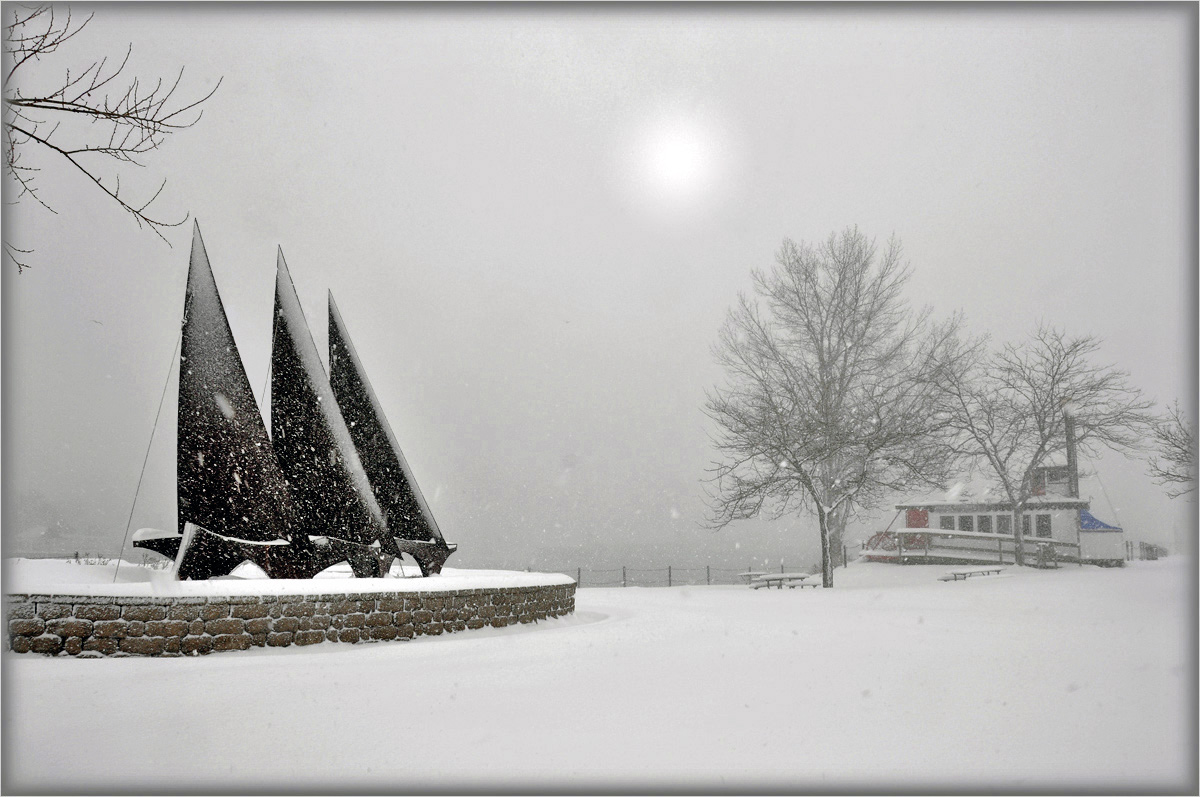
313	444
407	513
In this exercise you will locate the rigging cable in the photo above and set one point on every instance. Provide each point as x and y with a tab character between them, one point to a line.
145	460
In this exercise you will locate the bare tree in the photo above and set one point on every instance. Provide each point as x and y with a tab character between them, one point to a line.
1174	465
1008	410
830	398
88	119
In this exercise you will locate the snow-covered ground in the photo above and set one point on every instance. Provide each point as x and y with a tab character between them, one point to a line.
49	576
1076	679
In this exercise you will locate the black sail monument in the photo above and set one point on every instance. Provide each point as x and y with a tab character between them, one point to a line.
229	485
300	500
408	516
333	495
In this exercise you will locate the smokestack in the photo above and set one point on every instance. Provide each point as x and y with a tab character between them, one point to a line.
1072	462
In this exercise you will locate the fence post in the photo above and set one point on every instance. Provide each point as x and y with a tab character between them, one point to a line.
708	575
845	556
668	575
579	576
623	582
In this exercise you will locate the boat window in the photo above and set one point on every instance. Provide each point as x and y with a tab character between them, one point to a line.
947	522
966	522
985	524
1004	524
1043	525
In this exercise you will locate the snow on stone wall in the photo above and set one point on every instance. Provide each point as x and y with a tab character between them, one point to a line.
83	625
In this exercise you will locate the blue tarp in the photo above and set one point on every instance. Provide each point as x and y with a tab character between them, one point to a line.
1088	522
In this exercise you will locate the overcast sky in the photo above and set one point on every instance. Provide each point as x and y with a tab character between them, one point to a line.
535	218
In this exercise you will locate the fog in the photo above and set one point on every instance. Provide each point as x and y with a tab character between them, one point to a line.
534	219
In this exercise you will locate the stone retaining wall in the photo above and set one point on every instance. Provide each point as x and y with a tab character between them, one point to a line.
76	625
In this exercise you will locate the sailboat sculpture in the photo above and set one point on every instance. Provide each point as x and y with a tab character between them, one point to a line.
294	503
408	516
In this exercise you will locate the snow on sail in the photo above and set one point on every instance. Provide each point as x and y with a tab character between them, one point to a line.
333	495
407	514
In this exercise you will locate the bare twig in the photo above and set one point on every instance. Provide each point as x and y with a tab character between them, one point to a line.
92	116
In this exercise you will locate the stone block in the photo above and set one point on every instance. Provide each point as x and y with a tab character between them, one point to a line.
422	616
304	609
186	611
143	646
350	635
249	611
383	632
225	626
403	618
355	620
276	610
27	627
279	639
309	637
259	625
258	640
487	612
194	644
345	607
21	611
457	625
231	641
434	603
175	628
476	622
286	625
433	629
196	627
214	611
378	618
73	646
144	613
171	645
391	604
321	620
115	629
46	643
19	644
406	631
449	615
135	628
338	621
106	647
70	627
53	611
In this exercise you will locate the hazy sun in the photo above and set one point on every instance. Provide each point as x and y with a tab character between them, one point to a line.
678	159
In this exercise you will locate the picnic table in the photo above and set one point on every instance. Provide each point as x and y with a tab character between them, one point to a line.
966	572
790	580
750	575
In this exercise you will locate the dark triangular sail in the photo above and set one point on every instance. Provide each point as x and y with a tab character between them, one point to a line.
314	447
408	515
229	479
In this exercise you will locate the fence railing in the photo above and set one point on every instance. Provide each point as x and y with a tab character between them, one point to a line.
1144	551
669	576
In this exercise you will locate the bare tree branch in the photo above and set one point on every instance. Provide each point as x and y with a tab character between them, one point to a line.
829	402
91	117
1174	465
1007	408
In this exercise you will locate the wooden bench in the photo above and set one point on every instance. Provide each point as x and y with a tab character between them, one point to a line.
967	572
790	580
